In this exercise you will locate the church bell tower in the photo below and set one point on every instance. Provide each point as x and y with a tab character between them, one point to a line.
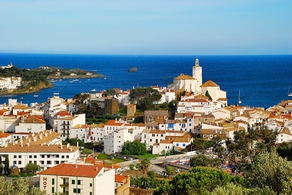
197	72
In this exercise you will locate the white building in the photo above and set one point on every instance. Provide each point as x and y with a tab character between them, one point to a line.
44	149
90	179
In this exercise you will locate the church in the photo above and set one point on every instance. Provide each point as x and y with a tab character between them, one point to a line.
194	84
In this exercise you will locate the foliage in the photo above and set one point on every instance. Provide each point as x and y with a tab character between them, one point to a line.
18	186
269	169
285	150
151	174
6	166
134	148
145	163
73	142
31	168
109	92
1	168
145	98
203	160
233	189
131	166
101	119
201	144
208	95
169	171
86	151
201	180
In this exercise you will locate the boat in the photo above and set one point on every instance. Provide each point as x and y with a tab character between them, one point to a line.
239	100
56	93
35	95
93	90
289	93
75	80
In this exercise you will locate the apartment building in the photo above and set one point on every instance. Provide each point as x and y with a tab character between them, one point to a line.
76	178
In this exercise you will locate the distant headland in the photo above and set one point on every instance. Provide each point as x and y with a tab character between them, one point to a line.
23	81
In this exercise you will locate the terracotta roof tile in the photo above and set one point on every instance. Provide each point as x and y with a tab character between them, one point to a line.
209	84
84	170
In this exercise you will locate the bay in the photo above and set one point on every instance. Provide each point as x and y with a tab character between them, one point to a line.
263	81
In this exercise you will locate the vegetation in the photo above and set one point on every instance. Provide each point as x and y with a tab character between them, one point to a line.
145	98
18	186
31	168
109	92
203	160
208	95
145	163
73	142
134	148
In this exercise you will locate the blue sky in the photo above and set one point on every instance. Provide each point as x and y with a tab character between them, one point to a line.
205	27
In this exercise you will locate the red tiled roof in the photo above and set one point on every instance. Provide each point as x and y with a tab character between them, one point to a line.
120	178
79	170
2	135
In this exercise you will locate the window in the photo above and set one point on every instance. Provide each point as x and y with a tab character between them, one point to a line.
153	135
90	184
161	135
150	140
67	156
14	162
19	156
14	156
73	181
53	190
49	162
53	182
19	162
79	182
30	156
63	156
35	156
76	190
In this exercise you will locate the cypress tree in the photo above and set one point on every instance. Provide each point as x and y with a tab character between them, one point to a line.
6	164
1	166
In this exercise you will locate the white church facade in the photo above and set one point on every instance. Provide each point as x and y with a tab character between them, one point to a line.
195	84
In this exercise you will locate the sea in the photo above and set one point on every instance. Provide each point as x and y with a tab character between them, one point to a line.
259	80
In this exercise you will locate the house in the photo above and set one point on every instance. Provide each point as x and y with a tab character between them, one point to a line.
44	149
78	178
122	185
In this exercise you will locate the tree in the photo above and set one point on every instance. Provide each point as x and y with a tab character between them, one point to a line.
134	148
169	171
270	170
204	161
109	92
151	174
145	163
201	180
208	95
31	168
1	169
6	166
18	187
145	98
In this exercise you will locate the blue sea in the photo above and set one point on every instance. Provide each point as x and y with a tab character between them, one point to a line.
263	81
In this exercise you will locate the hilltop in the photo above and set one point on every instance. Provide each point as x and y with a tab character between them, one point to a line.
34	80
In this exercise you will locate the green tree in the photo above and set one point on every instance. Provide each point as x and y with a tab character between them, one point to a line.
151	174
145	163
1	169
109	92
270	170
6	166
18	187
134	148
201	180
145	98
208	95
169	171
31	168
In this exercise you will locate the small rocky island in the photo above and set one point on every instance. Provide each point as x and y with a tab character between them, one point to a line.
133	69
22	81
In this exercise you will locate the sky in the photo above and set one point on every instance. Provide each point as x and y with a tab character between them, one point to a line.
140	27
